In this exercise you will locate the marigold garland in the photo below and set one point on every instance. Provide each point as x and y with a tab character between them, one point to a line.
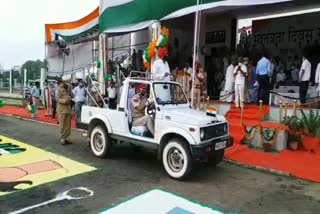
153	47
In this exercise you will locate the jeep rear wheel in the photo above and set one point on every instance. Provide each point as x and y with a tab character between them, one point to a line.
177	159
100	142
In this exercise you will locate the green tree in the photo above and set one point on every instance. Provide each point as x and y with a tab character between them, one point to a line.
33	68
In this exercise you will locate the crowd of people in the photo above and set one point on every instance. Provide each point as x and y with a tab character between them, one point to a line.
62	98
252	81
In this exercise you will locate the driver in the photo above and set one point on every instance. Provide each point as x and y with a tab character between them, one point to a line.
139	103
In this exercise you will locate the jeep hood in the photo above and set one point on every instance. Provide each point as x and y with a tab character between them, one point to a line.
190	116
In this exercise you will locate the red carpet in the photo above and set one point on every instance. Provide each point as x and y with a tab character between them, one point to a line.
23	112
301	164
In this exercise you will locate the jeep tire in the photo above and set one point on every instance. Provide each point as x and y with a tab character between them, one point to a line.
177	159
100	142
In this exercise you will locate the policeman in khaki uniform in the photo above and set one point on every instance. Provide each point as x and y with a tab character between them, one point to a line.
63	99
139	103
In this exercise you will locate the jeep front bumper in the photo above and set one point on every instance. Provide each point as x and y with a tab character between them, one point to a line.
201	152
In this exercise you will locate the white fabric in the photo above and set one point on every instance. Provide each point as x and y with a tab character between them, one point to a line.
317	80
229	79
159	69
240	78
306	66
139	130
217	5
239	92
105	4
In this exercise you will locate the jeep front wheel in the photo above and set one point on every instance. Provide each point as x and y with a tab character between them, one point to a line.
99	142
177	159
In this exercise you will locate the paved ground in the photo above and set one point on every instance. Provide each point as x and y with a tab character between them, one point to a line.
129	172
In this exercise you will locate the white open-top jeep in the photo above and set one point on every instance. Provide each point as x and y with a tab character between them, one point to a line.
182	135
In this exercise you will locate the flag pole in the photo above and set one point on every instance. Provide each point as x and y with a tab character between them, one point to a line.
194	52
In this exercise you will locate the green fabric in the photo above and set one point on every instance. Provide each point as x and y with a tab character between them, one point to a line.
1	103
108	77
83	34
31	109
142	10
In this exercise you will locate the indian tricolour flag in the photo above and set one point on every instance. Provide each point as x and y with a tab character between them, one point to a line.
73	30
211	111
132	15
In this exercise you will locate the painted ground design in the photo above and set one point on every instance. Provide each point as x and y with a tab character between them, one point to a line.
157	201
23	166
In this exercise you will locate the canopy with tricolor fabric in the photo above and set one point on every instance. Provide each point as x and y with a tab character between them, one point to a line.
118	16
73	30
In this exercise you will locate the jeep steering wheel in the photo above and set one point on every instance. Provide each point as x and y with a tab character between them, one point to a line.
150	109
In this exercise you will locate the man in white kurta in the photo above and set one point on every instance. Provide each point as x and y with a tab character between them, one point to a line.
160	71
229	84
240	73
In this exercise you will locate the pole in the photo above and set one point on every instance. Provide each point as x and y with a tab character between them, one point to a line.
194	52
25	78
10	81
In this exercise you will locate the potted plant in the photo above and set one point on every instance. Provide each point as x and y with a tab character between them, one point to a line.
295	130
310	123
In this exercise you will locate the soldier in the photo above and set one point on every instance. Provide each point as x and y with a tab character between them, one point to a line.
63	98
139	103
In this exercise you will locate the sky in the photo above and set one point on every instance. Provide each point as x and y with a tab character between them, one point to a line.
22	34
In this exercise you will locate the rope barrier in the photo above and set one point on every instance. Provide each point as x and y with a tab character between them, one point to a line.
317	99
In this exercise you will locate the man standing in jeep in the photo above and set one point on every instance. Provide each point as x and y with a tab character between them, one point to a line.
139	103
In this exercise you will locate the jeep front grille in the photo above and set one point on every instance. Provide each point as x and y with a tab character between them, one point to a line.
215	131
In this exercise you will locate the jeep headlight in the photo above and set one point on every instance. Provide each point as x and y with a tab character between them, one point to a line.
202	134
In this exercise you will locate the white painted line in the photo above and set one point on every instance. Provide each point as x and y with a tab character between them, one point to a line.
60	197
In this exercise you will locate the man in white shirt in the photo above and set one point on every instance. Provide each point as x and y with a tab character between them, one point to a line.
112	95
229	85
240	73
79	94
160	69
304	76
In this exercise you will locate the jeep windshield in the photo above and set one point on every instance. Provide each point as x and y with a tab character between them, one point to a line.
169	94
